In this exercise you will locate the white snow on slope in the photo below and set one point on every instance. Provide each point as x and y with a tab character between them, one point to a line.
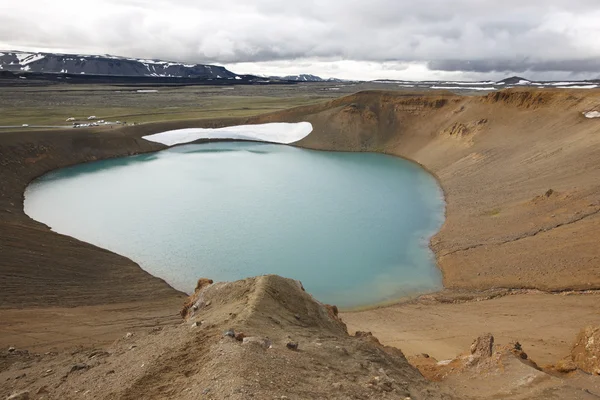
562	83
27	58
578	87
277	132
592	114
469	83
489	88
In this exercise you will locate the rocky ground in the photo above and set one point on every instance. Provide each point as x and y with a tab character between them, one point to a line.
262	338
266	338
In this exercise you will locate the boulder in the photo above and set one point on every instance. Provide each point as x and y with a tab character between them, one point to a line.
483	346
265	343
586	350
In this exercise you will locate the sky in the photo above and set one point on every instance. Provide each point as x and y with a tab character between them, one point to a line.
349	39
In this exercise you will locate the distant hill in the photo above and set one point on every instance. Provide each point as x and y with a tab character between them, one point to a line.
301	78
107	65
514	80
305	78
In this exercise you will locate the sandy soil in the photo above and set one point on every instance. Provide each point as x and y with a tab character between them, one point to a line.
545	324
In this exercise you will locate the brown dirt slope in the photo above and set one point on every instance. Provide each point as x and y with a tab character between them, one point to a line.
39	268
496	157
196	360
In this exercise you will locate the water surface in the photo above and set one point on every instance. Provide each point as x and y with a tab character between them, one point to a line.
353	227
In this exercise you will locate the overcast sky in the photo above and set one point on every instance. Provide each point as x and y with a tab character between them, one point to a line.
366	39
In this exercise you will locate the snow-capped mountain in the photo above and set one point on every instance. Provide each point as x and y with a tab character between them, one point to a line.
107	65
305	78
301	78
514	80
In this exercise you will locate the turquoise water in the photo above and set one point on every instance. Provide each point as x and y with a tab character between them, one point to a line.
353	227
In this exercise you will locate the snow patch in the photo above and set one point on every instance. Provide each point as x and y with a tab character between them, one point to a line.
578	87
592	114
462	83
238	78
147	91
562	83
489	88
27	58
277	132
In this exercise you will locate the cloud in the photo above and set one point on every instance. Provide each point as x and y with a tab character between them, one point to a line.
462	36
591	65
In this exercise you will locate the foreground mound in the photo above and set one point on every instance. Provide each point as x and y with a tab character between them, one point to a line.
259	338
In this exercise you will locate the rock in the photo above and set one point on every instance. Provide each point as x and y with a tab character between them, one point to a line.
19	396
332	310
202	283
11	349
129	335
292	345
79	367
98	353
230	333
240	336
483	346
586	351
265	343
133	346
196	324
368	336
517	350
42	390
208	303
549	193
297	316
565	366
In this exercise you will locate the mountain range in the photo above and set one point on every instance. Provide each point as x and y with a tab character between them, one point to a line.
90	67
77	68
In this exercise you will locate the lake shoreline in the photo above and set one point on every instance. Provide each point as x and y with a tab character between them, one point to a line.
336	210
48	270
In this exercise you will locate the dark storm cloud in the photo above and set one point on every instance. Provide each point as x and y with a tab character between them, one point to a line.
576	66
462	35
